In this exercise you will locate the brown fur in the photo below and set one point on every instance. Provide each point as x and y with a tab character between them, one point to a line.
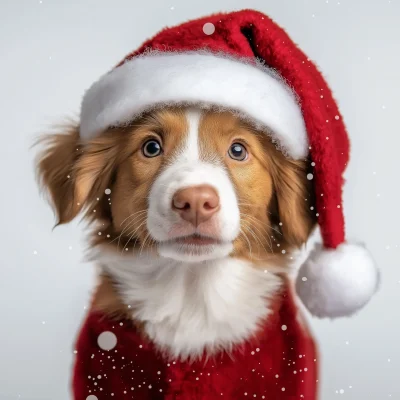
273	191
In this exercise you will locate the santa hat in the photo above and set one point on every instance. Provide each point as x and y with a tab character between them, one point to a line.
244	62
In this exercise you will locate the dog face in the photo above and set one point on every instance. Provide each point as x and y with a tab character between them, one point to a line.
186	184
193	210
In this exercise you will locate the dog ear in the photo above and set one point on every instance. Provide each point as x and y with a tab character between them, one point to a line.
294	197
74	173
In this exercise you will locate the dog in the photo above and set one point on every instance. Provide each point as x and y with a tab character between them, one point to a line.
195	216
202	162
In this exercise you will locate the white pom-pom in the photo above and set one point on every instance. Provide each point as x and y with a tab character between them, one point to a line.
337	282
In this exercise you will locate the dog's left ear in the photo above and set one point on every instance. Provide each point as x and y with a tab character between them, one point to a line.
293	210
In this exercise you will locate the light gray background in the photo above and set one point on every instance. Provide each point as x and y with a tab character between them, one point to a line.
52	50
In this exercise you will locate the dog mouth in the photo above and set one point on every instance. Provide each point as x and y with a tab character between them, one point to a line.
195	240
195	247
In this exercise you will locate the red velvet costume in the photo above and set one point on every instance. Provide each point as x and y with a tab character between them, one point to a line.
279	364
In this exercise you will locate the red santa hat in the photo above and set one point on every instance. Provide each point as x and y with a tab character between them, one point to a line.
244	62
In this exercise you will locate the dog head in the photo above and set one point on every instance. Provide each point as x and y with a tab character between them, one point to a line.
184	183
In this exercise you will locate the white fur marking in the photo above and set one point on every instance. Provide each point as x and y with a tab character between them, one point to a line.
191	151
188	310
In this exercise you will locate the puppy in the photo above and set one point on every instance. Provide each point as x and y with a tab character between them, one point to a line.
194	216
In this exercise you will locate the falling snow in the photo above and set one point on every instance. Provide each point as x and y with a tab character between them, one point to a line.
208	28
107	191
107	340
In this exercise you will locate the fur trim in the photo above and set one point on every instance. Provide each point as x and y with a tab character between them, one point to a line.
202	78
337	282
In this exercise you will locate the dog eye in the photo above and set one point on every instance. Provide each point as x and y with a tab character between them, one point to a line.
237	152
152	148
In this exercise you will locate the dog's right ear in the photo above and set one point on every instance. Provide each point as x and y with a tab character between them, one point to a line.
55	167
76	174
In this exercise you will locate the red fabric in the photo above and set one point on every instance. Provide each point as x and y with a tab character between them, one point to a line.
252	34
260	369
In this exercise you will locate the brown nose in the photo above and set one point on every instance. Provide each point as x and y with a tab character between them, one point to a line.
196	204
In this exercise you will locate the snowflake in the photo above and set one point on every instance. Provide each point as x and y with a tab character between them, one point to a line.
107	340
107	191
208	28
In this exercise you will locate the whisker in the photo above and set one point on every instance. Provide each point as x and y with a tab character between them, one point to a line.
258	239
130	216
258	222
138	220
143	244
245	236
134	232
259	230
119	237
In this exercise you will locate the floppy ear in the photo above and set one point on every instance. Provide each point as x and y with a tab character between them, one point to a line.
75	174
294	198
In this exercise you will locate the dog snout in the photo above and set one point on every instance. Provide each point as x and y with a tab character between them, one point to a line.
196	204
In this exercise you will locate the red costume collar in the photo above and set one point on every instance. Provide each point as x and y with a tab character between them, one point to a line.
278	364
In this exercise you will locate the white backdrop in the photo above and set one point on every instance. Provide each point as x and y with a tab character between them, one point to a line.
52	50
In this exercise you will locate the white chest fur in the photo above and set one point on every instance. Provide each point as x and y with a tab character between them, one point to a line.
189	308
